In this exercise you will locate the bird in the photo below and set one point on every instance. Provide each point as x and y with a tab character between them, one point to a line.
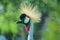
29	15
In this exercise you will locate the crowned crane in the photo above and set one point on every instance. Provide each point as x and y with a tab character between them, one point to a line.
28	16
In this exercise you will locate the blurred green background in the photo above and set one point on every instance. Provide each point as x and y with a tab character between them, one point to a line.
47	29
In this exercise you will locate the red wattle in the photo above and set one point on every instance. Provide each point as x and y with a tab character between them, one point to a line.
27	28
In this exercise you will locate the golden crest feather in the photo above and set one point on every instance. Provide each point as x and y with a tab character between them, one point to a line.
31	11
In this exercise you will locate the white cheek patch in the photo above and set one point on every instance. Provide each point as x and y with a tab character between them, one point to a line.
26	20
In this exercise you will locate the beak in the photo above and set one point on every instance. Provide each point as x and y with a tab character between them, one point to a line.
20	21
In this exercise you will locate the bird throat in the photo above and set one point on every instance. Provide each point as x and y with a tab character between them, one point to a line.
27	27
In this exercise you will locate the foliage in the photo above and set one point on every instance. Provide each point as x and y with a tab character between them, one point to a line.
11	14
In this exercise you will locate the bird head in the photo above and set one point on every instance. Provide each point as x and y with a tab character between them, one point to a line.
24	19
31	11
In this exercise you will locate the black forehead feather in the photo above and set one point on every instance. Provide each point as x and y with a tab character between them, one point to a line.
22	16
